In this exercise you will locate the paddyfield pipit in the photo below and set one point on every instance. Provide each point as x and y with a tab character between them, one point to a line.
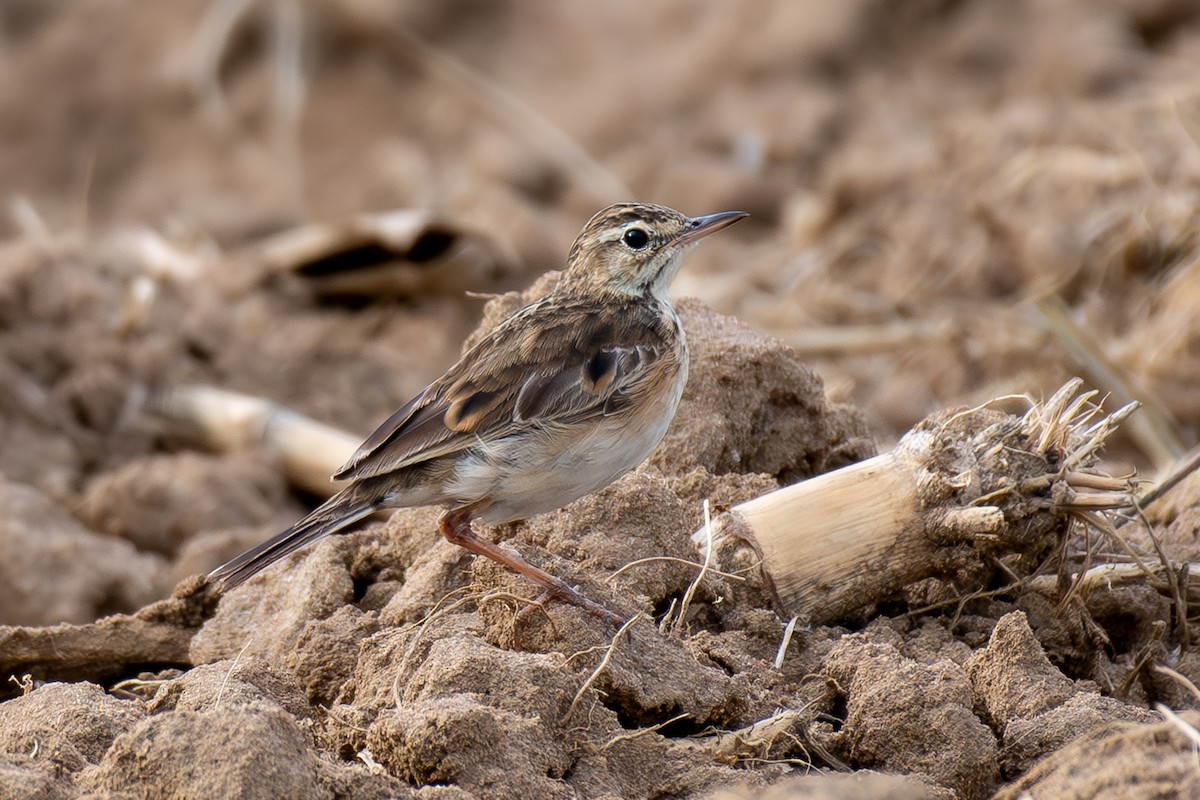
560	399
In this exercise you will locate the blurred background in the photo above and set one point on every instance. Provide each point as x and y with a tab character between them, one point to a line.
951	200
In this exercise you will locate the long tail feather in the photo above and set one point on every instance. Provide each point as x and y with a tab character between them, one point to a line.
340	511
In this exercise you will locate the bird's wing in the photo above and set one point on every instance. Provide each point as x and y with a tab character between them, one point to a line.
533	369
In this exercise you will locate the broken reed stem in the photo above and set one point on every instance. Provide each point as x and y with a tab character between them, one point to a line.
307	451
385	254
963	492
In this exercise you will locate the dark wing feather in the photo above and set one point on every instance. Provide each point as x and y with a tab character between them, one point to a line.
582	387
587	360
392	424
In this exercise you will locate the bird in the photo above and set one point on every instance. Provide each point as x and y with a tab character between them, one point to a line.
558	400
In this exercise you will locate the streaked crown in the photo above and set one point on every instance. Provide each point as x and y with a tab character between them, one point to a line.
636	248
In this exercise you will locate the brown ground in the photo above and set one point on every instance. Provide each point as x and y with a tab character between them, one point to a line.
928	182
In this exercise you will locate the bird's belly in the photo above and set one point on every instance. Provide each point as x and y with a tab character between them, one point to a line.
537	472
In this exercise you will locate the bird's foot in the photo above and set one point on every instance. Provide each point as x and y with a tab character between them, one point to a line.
572	595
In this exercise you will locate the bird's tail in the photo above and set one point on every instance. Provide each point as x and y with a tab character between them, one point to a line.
338	512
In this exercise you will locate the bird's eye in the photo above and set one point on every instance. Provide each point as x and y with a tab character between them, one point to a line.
636	238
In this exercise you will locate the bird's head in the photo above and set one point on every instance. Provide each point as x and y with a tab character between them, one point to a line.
635	249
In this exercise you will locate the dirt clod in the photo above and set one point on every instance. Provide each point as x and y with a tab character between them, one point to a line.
94	574
1012	675
901	715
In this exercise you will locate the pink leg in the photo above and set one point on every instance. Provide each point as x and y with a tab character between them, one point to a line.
456	527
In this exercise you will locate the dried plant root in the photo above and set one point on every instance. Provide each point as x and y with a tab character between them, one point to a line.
962	491
308	452
158	635
1106	576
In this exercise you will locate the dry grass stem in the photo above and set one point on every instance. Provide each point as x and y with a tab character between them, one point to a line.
128	689
641	732
1188	466
1142	658
229	672
1090	480
675	560
420	626
785	641
1179	678
708	555
754	740
608	654
1179	723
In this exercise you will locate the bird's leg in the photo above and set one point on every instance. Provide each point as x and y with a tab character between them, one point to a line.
456	527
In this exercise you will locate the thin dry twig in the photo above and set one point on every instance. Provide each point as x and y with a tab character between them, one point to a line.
785	641
1180	678
966	412
641	731
674	559
1189	465
1142	659
708	555
1174	581
420	626
962	600
1179	723
1104	525
229	672
608	654
1076	584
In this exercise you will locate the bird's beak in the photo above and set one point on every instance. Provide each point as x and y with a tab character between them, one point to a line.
699	227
